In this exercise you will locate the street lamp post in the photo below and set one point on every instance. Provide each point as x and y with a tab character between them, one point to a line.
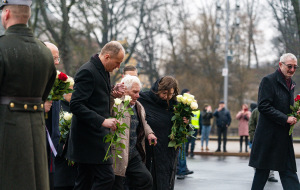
225	70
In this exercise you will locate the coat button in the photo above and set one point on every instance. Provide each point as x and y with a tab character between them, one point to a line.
35	107
12	105
25	106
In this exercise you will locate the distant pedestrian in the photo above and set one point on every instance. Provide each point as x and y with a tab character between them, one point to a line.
243	116
272	147
223	119
206	127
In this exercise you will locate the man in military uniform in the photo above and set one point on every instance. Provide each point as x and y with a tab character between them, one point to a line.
27	74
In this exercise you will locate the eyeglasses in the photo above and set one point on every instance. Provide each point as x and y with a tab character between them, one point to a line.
291	66
56	59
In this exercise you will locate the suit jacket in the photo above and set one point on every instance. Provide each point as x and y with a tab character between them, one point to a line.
272	144
90	105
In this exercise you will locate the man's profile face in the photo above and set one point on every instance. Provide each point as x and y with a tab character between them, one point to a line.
134	93
288	68
113	62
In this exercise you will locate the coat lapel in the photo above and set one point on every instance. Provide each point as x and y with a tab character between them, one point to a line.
281	81
98	64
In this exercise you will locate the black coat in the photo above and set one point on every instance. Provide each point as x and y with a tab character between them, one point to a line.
90	105
158	116
272	144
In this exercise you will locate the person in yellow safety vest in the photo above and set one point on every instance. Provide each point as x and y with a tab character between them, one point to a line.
196	121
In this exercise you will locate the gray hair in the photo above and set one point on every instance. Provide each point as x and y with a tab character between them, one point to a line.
113	48
287	56
130	80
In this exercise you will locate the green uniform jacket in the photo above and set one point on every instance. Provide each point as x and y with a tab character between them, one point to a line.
253	123
26	70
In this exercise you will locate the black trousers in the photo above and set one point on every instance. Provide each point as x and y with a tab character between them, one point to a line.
94	177
289	179
138	176
222	130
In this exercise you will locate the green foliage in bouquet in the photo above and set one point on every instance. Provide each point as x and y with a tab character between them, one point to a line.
114	138
180	130
64	125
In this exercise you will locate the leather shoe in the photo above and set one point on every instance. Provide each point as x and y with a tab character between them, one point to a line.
188	172
180	177
272	179
218	150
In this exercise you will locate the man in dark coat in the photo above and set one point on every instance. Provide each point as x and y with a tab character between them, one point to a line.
272	147
223	119
90	105
27	74
52	108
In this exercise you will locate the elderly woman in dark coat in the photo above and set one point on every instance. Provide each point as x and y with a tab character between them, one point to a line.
158	104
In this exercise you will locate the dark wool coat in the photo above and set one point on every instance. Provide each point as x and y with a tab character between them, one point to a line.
90	105
272	144
26	70
158	116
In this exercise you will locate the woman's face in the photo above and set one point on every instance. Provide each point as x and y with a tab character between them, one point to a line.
164	94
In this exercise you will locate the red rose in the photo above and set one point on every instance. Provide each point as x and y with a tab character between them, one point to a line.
297	98
62	76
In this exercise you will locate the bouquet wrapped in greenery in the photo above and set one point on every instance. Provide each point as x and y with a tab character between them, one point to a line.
180	130
294	113
115	136
64	125
60	87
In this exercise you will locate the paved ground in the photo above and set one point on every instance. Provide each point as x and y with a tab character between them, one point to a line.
222	171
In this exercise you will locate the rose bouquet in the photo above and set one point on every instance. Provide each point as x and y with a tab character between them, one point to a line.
61	86
294	113
180	130
114	138
64	125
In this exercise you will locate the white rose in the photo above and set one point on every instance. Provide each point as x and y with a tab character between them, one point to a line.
118	101
194	105
127	98
57	73
70	80
67	116
179	98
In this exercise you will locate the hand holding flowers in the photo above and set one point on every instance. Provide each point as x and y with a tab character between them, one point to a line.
294	116
114	138
182	112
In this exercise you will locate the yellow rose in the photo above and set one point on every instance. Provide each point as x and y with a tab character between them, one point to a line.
67	116
118	101
194	105
127	98
184	100
189	101
179	98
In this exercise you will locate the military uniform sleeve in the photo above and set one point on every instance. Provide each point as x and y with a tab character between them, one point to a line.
49	84
83	89
252	123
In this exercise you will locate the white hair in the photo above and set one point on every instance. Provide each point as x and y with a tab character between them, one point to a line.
130	80
287	56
